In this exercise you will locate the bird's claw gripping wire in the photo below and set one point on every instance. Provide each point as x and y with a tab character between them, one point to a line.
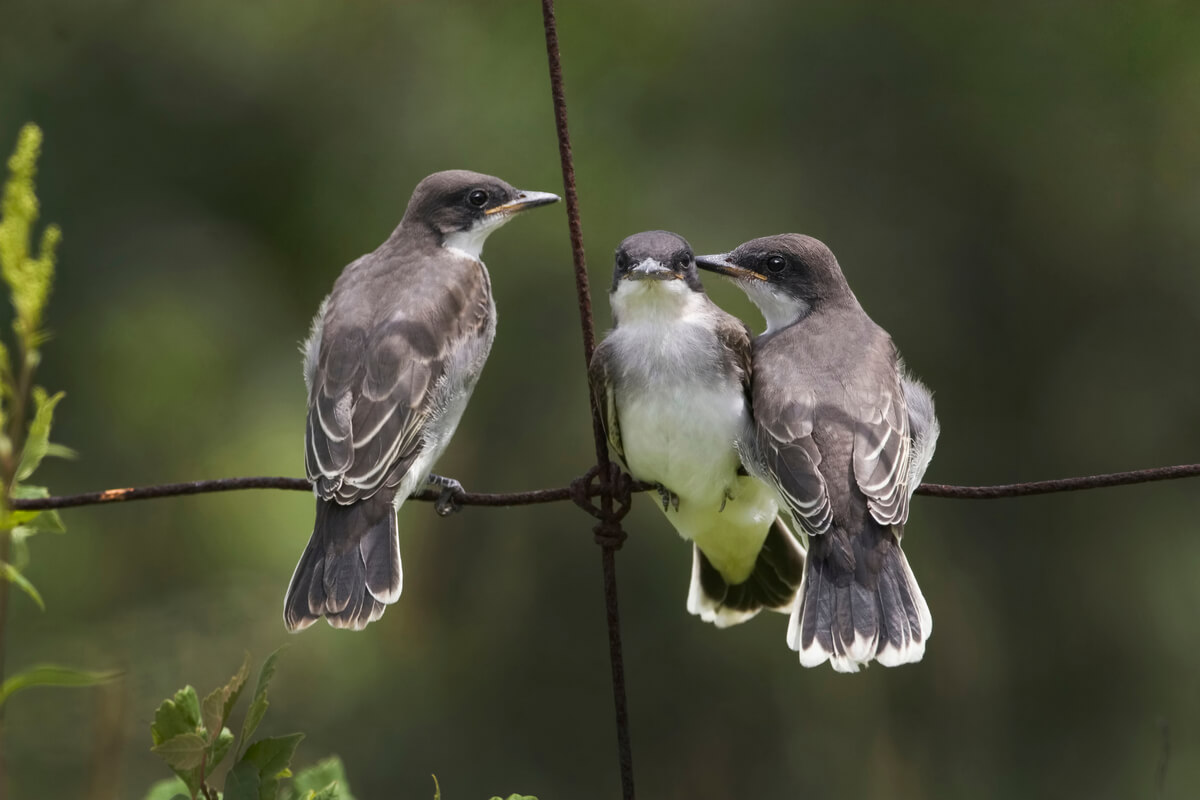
448	499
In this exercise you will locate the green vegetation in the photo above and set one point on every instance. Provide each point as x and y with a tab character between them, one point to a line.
193	737
23	446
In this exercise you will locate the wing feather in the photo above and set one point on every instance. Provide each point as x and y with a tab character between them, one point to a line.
387	342
881	451
784	438
600	379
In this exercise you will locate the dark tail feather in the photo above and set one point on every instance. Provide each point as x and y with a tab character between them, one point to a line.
859	602
777	575
350	569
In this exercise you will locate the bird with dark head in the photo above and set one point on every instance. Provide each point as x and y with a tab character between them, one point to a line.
393	356
672	379
844	435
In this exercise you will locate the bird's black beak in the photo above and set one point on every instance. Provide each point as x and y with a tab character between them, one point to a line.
722	265
650	270
523	202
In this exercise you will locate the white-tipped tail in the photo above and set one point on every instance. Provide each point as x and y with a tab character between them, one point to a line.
849	624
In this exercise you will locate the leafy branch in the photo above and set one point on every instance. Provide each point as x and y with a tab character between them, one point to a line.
194	737
25	442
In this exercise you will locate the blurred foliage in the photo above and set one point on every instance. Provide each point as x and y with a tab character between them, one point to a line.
23	447
1012	190
192	737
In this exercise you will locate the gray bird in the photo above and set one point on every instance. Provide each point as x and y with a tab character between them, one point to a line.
844	435
391	361
671	379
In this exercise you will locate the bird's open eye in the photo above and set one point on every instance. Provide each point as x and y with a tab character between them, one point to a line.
622	262
682	260
776	263
478	198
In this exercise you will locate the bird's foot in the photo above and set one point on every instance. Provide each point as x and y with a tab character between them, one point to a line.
728	496
447	502
668	497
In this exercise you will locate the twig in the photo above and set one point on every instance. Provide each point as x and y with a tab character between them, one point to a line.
557	495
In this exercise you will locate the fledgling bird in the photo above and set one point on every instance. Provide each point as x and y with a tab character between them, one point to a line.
844	435
394	353
671	379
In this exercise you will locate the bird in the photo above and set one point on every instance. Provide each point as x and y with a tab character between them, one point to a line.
391	360
671	380
844	434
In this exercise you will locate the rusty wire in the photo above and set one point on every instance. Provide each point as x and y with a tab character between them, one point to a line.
604	480
558	495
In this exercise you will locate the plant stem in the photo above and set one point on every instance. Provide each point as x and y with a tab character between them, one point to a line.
16	437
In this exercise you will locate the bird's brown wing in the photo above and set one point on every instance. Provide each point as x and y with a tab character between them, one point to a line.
375	382
600	372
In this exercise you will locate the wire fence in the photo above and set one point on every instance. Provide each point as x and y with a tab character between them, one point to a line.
603	491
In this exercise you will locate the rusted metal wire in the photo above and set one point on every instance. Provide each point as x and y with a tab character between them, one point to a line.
557	495
608	532
593	489
1059	484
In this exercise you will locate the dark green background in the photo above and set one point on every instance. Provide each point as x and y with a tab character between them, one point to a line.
1013	192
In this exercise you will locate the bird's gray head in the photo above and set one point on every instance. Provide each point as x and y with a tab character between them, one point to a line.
787	276
462	208
657	258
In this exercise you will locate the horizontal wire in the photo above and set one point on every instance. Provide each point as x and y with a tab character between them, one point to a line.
557	495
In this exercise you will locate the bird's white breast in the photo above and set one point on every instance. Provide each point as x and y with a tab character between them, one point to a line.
678	406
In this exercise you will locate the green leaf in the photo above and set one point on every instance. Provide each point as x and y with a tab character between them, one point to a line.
219	748
37	441
176	716
517	797
183	752
318	778
52	675
437	789
168	789
272	755
242	782
216	707
14	576
47	520
330	792
54	450
258	706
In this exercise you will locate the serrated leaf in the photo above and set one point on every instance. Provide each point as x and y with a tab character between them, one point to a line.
13	575
320	776
181	714
217	705
183	752
258	706
219	748
37	440
52	675
168	789
272	755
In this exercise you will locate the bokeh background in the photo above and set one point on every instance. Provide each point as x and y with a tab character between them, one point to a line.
1013	190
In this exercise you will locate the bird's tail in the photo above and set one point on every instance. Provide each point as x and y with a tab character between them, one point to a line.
777	575
350	569
859	602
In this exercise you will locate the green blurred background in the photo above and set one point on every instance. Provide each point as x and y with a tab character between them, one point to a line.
1013	191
